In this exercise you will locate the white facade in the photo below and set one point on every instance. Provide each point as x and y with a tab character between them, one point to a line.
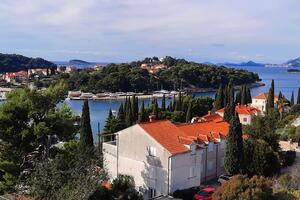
155	170
244	119
260	104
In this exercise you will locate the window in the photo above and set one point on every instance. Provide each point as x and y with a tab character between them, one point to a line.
151	151
151	193
192	172
245	119
210	147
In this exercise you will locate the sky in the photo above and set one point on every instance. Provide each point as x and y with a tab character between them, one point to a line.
125	30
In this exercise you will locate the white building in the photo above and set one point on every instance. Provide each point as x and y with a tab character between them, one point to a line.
163	157
260	101
245	112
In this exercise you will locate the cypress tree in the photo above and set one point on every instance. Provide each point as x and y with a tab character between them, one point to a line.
280	96
128	116
86	134
229	111
292	99
238	98
108	123
244	96
234	158
298	97
178	106
219	100
189	113
163	103
249	97
133	109
230	92
121	113
155	110
142	114
270	101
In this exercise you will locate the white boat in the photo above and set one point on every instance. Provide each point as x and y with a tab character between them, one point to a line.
86	95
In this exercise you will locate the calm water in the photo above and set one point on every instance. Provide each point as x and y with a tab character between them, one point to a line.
284	82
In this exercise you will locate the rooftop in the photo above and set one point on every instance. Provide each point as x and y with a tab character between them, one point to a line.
264	96
243	109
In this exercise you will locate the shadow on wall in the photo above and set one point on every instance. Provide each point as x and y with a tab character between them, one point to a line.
155	177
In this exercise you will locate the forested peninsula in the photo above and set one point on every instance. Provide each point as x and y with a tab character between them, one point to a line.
14	63
153	74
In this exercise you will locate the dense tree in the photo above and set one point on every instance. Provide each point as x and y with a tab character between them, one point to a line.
249	97
163	103
189	113
242	187
219	100
270	100
244	99
292	99
142	114
238	98
86	134
130	77
229	111
234	158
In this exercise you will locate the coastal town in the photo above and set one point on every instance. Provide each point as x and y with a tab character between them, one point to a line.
149	100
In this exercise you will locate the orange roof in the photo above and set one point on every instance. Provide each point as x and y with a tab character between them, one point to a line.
243	109
206	131
167	134
265	96
211	117
174	137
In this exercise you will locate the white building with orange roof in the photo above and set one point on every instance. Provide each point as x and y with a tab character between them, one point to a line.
245	112
260	101
163	157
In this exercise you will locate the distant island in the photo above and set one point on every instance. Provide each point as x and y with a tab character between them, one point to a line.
14	63
243	64
294	70
153	74
78	62
293	63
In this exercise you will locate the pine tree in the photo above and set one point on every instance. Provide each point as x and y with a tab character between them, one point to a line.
234	159
142	114
292	99
219	100
163	103
189	113
86	134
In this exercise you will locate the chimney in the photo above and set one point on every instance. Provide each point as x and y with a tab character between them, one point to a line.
152	118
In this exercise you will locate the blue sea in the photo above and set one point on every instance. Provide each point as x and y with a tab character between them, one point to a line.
284	81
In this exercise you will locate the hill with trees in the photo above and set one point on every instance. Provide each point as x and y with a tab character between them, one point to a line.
14	63
179	74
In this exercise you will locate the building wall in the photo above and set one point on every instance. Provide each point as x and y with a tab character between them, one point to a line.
213	160
259	104
148	171
186	170
245	119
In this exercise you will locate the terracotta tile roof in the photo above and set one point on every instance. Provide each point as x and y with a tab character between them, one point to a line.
265	96
243	109
206	131
174	138
211	117
167	134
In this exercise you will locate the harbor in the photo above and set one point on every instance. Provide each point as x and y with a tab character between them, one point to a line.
78	95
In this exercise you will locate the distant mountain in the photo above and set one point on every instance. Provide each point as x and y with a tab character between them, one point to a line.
14	63
293	63
249	63
78	62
